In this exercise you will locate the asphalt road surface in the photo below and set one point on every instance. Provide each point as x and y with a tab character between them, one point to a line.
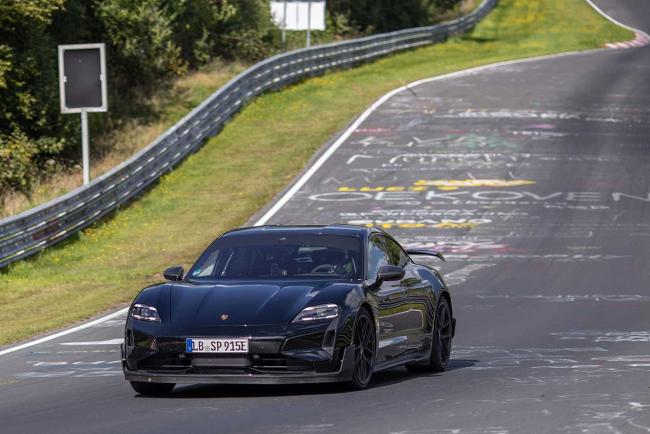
534	178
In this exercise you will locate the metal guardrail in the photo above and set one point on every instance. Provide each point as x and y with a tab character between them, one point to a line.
31	231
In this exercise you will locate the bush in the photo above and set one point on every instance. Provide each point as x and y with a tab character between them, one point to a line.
17	153
20	157
371	16
29	131
140	35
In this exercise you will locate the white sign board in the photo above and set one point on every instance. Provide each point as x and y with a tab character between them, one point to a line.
298	15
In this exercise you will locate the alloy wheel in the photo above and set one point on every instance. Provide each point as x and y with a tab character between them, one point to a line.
364	350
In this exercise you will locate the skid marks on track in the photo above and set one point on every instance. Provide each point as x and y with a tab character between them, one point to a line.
486	430
607	413
563	297
579	363
497	358
74	369
604	336
301	428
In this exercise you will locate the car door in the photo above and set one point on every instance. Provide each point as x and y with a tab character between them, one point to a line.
421	305
391	302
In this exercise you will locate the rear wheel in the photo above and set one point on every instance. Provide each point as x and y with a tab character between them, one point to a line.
440	342
364	350
152	389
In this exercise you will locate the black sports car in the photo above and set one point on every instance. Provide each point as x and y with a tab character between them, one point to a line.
290	304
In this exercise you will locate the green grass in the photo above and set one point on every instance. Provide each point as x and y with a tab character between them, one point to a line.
255	156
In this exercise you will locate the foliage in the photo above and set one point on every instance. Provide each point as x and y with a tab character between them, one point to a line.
16	155
141	36
29	134
386	15
195	25
247	33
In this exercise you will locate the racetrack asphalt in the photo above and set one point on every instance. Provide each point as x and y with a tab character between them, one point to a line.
534	179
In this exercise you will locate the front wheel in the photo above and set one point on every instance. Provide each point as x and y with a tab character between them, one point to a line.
152	389
364	350
440	342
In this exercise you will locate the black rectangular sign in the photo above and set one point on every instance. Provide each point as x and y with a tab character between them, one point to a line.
82	76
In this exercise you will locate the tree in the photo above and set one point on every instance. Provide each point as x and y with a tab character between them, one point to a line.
29	131
372	16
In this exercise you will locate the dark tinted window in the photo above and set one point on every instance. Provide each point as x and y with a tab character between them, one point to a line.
396	255
376	256
280	255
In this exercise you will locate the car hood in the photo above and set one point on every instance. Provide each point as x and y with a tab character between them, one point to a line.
243	303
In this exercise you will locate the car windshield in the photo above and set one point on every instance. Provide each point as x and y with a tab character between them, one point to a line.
285	255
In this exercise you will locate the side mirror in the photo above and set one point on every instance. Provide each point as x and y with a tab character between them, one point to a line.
173	273
389	273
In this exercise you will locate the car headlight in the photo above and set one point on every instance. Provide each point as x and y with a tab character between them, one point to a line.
313	313
143	312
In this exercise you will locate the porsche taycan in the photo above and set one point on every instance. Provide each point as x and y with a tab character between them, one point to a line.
290	304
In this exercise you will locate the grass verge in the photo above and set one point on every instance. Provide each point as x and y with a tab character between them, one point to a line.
254	157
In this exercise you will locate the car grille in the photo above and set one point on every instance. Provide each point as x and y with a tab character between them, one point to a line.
171	347
171	358
308	341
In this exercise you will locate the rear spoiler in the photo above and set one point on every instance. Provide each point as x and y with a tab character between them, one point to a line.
427	252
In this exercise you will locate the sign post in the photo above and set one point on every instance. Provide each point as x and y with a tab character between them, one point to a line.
284	24
85	151
82	88
308	24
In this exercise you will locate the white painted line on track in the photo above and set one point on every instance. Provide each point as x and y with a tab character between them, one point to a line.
615	21
323	158
65	332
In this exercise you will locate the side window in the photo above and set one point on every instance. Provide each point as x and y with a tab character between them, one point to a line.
404	258
376	256
396	255
207	267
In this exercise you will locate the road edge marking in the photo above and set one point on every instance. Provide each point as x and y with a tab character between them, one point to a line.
614	20
65	332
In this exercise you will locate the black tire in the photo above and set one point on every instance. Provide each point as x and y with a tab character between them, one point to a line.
440	342
152	389
365	346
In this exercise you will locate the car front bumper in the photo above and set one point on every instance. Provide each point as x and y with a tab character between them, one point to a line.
343	373
304	353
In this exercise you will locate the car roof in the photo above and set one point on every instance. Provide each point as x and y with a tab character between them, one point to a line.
334	229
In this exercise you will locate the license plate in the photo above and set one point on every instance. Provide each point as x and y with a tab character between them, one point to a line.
216	345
